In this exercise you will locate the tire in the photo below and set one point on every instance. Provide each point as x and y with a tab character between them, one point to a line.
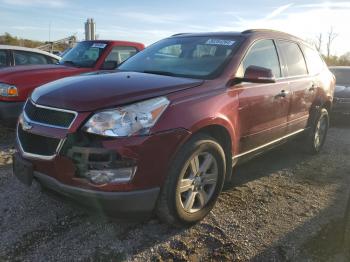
198	170
317	134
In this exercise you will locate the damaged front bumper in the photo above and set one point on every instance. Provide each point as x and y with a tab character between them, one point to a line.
139	201
82	167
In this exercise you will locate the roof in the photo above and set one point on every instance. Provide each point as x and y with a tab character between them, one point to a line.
209	34
35	50
249	32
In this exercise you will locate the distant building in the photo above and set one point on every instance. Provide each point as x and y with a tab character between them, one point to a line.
90	29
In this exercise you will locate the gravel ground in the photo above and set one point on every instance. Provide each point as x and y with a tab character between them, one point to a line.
285	205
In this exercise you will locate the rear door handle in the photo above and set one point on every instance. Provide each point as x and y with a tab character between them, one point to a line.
282	94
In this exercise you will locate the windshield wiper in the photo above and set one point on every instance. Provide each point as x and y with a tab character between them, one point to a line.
165	73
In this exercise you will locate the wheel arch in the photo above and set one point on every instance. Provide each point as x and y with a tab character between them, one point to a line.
327	105
319	104
224	134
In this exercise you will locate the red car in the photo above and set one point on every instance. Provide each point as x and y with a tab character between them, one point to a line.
163	133
16	84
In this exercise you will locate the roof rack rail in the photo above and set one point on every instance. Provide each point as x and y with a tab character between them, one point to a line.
249	31
181	34
262	31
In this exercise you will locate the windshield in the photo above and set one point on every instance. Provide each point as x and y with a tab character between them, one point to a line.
342	76
84	54
193	57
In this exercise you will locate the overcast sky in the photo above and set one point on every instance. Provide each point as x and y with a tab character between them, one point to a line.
150	20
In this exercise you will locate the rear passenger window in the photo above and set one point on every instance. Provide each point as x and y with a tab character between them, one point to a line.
28	58
262	54
314	61
293	58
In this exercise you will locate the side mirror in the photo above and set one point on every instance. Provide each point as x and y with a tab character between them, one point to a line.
109	65
256	74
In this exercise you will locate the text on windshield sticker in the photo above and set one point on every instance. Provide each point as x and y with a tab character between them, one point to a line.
220	42
99	45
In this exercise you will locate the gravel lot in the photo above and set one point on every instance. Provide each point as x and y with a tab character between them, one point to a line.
285	205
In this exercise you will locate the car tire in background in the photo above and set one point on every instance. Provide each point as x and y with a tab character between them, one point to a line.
194	182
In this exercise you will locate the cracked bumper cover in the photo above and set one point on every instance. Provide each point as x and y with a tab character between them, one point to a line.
138	201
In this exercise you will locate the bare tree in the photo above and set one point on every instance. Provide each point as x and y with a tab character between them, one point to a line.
330	39
318	42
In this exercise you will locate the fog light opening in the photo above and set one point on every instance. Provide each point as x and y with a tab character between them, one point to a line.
110	176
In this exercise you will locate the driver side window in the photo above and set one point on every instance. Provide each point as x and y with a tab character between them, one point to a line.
262	54
120	53
92	54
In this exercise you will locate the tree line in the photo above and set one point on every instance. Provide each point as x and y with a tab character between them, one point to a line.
8	39
327	41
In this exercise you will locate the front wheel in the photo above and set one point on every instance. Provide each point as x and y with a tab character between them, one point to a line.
194	181
316	137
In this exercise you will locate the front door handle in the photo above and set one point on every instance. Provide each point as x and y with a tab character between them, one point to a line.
312	88
282	94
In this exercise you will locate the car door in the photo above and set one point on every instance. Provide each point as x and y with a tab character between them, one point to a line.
263	108
302	86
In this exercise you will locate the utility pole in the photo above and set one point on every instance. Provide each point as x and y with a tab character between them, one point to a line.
50	31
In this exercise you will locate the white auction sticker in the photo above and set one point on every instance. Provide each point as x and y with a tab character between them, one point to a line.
99	45
220	42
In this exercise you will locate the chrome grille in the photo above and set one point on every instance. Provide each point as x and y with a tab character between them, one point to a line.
37	146
49	116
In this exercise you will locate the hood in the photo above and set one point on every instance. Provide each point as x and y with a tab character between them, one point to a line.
93	92
10	74
342	91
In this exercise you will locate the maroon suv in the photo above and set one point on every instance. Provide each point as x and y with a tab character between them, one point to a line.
164	132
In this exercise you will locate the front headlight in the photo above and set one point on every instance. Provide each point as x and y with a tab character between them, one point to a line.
8	90
135	119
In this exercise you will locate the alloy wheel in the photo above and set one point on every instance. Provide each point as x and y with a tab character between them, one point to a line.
197	182
320	132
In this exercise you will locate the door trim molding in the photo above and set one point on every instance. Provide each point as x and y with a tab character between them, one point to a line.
268	144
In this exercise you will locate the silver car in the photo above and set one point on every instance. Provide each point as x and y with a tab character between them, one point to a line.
17	55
